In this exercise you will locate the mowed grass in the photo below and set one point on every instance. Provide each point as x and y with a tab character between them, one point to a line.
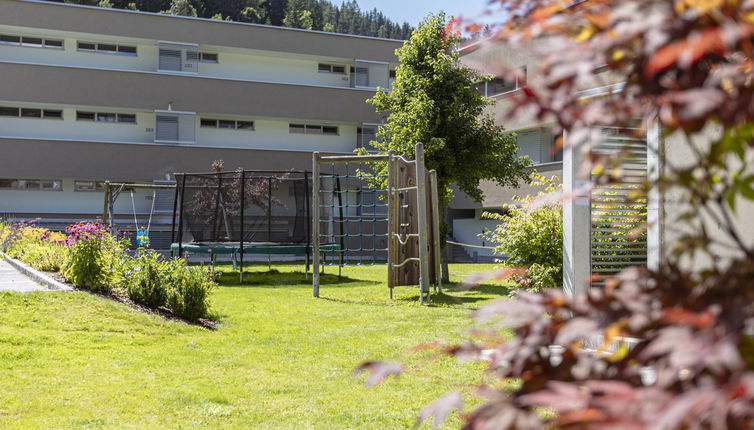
279	359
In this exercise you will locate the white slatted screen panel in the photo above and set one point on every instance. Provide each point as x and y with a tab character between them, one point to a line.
619	212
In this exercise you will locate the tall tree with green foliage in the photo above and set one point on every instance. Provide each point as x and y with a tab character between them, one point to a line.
434	101
182	7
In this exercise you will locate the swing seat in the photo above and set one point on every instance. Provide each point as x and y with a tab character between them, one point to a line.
142	236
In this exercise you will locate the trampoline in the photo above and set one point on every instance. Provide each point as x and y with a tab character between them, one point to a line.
262	212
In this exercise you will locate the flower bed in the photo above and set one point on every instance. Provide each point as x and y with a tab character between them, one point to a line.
90	256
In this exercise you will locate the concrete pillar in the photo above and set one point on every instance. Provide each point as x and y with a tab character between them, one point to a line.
576	219
654	197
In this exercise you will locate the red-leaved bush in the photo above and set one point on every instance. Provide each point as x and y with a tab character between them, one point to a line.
670	348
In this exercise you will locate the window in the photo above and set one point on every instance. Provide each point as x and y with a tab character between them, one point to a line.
498	86
30	41
331	68
125	118
8	111
392	73
10	40
366	134
52	114
31	112
88	185
207	57
313	129
84	116
226	123
32	184
106	117
106	48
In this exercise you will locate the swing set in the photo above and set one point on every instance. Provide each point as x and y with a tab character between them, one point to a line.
112	191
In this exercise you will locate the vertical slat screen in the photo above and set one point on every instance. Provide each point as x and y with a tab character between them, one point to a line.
619	211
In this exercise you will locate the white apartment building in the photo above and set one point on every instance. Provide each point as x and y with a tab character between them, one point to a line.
91	94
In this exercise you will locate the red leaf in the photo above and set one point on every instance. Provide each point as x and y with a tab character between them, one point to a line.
378	371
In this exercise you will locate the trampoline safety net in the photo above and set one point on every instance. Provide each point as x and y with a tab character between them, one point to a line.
270	207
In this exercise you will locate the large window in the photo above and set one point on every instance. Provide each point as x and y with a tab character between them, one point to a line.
498	86
227	124
31	112
106	48
31	184
111	117
30	41
313	129
539	145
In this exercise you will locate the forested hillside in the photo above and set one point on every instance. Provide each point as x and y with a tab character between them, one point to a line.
307	14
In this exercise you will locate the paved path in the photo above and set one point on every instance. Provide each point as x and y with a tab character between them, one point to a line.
13	280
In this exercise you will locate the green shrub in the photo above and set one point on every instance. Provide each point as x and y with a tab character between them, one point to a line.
540	277
531	235
145	279
94	258
46	256
188	290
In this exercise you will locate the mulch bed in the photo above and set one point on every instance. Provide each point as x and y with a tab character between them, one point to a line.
122	298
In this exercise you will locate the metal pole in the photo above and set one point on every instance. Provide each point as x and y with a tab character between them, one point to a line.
421	203
269	219
343	239
172	228
391	221
308	221
315	223
180	217
436	228
107	203
243	203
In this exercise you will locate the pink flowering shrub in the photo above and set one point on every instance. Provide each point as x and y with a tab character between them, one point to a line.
94	256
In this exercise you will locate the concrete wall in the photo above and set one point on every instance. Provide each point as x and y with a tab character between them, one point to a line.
69	201
267	133
151	26
233	63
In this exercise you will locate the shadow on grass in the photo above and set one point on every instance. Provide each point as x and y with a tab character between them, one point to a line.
275	278
452	296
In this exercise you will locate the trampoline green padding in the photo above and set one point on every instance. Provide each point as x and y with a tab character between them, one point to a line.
251	248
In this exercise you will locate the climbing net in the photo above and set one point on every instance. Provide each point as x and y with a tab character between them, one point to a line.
353	212
377	209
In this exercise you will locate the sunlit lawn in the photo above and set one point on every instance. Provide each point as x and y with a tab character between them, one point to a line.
279	358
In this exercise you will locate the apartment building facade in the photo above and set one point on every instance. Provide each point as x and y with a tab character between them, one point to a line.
92	94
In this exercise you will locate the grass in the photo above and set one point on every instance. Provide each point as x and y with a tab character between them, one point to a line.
279	359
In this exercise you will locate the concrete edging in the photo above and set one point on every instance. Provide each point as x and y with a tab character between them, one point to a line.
37	276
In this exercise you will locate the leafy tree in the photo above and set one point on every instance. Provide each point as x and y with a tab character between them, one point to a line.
182	7
685	66
298	16
433	101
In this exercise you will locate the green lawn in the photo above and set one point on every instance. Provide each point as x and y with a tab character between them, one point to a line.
279	358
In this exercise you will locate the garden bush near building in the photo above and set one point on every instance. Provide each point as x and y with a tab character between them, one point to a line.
531	235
